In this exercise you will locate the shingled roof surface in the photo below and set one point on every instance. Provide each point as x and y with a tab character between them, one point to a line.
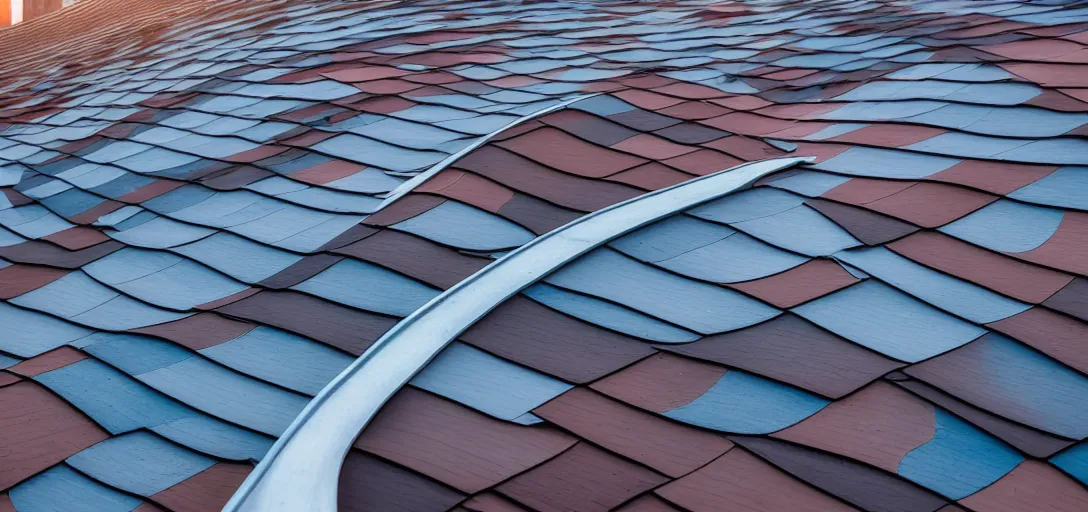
199	231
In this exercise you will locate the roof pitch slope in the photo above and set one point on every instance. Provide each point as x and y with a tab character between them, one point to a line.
207	211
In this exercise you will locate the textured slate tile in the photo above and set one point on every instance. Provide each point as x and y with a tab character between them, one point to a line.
885	163
581	478
27	333
1071	299
282	358
608	315
1055	335
558	150
112	399
738	257
661	383
747	205
536	215
47	254
959	461
931	205
28	411
16	280
702	162
465	227
665	446
648	503
945	454
609	275
1005	275
1056	189
486	383
164	279
655	148
1066	248
48	361
207	435
710	396
651	176
368	483
862	486
1040	392
812	279
208	490
755	405
591	128
868	227
490	502
404	208
881	318
428	262
747	148
526	176
691	133
794	351
995	177
222	393
62	488
139	462
533	335
349	330
468	188
442	439
1028	440
199	331
643	120
861	191
1007	226
301	270
738	480
368	287
1032	485
669	238
878	425
948	293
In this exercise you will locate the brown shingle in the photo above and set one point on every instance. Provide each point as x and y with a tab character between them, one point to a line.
582	479
666	446
792	350
368	484
456	445
539	337
738	481
38	430
346	329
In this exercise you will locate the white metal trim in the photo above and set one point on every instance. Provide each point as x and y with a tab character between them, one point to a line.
302	470
418	179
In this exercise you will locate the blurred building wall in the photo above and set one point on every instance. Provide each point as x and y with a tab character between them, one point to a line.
15	11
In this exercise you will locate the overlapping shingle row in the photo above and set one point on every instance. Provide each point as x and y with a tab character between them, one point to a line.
191	251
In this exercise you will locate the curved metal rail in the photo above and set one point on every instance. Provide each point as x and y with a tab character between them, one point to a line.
302	470
418	179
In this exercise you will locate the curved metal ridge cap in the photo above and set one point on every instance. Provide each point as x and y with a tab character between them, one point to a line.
302	470
418	179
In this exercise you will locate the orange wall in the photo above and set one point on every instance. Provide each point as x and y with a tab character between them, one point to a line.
5	13
34	8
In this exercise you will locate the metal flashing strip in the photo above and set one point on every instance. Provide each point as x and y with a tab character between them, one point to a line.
302	470
418	179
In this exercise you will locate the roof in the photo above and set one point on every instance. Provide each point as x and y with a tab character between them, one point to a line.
208	213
